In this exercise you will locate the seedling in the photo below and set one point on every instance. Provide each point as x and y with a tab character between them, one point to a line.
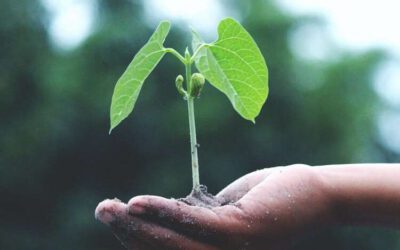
233	64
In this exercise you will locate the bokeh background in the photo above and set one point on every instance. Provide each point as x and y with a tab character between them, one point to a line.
334	98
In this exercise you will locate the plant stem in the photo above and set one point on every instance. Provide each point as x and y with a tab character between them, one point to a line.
197	51
192	129
193	145
176	54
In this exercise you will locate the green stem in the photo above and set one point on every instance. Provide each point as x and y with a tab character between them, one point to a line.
192	129
176	54
193	145
198	51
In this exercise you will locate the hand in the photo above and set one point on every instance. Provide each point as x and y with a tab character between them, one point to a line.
266	209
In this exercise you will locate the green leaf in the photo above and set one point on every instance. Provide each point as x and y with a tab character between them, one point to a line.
234	65
130	83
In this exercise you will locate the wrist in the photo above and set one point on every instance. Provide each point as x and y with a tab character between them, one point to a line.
363	194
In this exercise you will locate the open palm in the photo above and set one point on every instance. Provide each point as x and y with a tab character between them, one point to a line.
265	209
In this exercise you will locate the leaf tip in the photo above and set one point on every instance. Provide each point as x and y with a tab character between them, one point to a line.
195	34
165	25
113	125
166	22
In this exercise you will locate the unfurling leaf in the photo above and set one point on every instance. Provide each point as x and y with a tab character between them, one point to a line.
197	84
130	83
234	65
179	85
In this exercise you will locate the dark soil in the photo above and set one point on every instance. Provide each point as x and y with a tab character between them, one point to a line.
201	198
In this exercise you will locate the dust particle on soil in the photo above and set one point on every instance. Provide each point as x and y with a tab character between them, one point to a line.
201	198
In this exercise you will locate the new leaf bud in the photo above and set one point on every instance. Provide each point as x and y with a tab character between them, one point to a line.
198	81
179	85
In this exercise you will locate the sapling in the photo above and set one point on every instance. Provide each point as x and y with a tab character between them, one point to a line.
233	64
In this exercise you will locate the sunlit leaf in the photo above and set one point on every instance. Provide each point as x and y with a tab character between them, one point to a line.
130	83
234	65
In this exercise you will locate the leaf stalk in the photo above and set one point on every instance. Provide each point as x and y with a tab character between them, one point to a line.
176	54
197	51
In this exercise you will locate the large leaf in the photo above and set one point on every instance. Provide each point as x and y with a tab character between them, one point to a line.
130	83
234	65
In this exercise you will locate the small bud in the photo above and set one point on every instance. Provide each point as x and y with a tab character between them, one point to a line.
179	85
187	53
197	84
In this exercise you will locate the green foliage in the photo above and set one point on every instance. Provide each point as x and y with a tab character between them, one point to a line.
130	83
234	65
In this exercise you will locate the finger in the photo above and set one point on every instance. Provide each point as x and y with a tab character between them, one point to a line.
109	210
198	222
164	238
114	214
136	233
237	189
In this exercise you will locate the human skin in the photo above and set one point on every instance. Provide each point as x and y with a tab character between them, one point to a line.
266	209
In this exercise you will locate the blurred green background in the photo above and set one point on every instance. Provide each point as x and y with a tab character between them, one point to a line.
57	160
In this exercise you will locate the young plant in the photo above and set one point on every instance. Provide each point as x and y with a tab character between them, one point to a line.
233	64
